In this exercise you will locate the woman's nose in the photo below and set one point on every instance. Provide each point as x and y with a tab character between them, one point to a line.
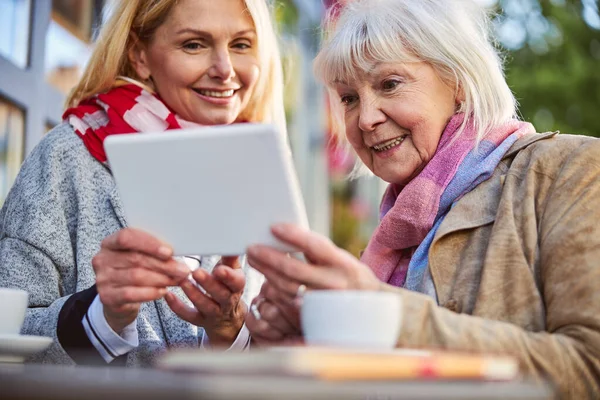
370	116
221	67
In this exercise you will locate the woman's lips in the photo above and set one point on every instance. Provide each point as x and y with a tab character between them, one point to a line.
216	93
218	97
388	144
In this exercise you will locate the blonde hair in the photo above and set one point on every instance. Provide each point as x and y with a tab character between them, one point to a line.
451	35
142	17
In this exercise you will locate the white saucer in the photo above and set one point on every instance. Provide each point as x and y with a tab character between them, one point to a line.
14	348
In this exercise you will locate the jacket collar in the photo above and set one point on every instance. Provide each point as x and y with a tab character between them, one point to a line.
476	208
526	141
479	206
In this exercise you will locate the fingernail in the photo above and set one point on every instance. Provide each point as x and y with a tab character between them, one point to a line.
165	251
163	292
297	302
200	274
182	269
222	273
279	229
252	251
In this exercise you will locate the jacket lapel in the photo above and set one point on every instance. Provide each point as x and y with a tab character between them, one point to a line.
479	206
526	141
475	209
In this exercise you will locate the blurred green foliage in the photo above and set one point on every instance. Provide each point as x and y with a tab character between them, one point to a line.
286	15
553	63
345	227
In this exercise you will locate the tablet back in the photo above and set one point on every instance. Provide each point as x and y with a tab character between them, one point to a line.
207	191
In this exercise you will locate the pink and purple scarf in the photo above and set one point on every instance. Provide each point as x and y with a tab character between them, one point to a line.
410	215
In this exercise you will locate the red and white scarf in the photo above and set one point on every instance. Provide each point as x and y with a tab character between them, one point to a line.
126	108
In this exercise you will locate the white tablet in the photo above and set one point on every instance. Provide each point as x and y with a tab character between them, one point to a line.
206	191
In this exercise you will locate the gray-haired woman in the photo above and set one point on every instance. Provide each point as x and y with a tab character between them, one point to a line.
488	229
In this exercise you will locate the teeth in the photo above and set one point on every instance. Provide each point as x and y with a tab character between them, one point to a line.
389	144
214	93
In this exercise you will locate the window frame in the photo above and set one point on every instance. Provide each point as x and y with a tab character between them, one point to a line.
27	88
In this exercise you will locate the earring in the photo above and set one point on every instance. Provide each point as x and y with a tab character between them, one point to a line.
460	108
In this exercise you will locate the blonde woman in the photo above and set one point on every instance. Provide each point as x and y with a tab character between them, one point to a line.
488	231
96	286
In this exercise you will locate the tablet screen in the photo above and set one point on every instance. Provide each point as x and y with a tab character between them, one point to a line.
213	190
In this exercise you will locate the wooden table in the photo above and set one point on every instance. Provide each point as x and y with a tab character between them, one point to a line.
47	382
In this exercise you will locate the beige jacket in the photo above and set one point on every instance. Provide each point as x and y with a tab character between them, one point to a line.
516	266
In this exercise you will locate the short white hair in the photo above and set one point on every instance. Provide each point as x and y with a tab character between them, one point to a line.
453	36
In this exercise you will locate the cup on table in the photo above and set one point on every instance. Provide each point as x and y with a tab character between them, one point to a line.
351	319
13	304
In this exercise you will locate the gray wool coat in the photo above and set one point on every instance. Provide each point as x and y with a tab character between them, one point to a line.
63	203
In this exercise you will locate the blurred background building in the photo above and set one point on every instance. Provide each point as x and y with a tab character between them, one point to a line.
552	52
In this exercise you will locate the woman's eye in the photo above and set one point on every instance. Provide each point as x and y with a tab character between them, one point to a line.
192	46
347	99
241	46
390	84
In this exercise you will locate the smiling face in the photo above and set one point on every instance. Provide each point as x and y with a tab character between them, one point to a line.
395	115
203	60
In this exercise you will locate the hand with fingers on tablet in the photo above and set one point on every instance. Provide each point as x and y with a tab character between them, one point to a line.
326	266
216	301
133	267
276	320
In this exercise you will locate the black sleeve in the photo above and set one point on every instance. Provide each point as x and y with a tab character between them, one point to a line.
71	334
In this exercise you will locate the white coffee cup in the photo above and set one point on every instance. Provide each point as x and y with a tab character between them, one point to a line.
13	304
357	319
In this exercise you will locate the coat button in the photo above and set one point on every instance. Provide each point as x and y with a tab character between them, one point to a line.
452	305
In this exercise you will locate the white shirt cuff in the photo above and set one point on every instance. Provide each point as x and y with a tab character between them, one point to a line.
109	344
240	344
